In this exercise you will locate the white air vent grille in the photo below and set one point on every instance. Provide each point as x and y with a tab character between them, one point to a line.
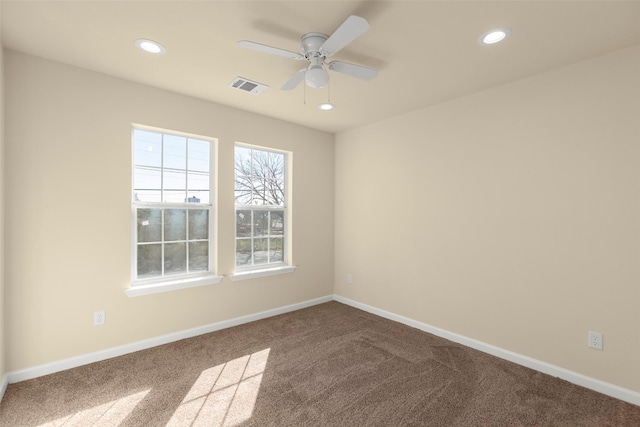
249	86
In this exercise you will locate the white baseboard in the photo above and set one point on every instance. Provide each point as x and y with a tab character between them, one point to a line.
565	374
73	362
4	382
546	368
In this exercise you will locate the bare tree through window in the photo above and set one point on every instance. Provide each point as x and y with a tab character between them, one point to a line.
259	177
260	206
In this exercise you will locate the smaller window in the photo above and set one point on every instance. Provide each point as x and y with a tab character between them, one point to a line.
261	208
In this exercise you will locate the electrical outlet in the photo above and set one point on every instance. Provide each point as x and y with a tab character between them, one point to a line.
98	318
595	340
349	278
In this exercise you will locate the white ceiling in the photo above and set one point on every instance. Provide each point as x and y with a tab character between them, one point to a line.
427	51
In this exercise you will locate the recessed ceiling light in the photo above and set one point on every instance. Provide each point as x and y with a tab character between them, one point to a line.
326	106
150	46
494	36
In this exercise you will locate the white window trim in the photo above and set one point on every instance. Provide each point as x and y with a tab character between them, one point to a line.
155	287
171	283
253	273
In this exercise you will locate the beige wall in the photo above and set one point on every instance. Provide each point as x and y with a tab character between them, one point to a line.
68	151
2	305
510	216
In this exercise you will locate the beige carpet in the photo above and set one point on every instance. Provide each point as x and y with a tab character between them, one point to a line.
328	365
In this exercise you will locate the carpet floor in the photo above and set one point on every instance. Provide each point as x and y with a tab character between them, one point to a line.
327	365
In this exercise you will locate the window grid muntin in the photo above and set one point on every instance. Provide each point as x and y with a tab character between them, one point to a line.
252	236
163	241
161	169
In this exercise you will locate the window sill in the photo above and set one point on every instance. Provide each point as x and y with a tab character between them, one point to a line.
172	285
252	274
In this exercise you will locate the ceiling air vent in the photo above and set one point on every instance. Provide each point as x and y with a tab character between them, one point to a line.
248	86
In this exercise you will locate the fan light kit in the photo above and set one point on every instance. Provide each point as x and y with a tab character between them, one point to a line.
494	36
316	77
316	48
150	46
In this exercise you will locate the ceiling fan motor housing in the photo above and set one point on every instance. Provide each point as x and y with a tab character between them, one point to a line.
311	44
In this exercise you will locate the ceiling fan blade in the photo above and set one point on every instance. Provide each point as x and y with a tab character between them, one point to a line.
270	49
358	71
295	80
352	28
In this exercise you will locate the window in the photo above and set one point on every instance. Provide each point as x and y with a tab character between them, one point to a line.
172	210
261	208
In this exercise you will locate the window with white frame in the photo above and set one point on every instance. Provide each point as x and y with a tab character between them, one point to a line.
261	207
172	207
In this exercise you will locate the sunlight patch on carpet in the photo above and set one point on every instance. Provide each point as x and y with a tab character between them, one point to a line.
224	395
108	414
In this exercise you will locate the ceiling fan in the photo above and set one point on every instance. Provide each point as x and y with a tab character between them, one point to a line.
316	48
